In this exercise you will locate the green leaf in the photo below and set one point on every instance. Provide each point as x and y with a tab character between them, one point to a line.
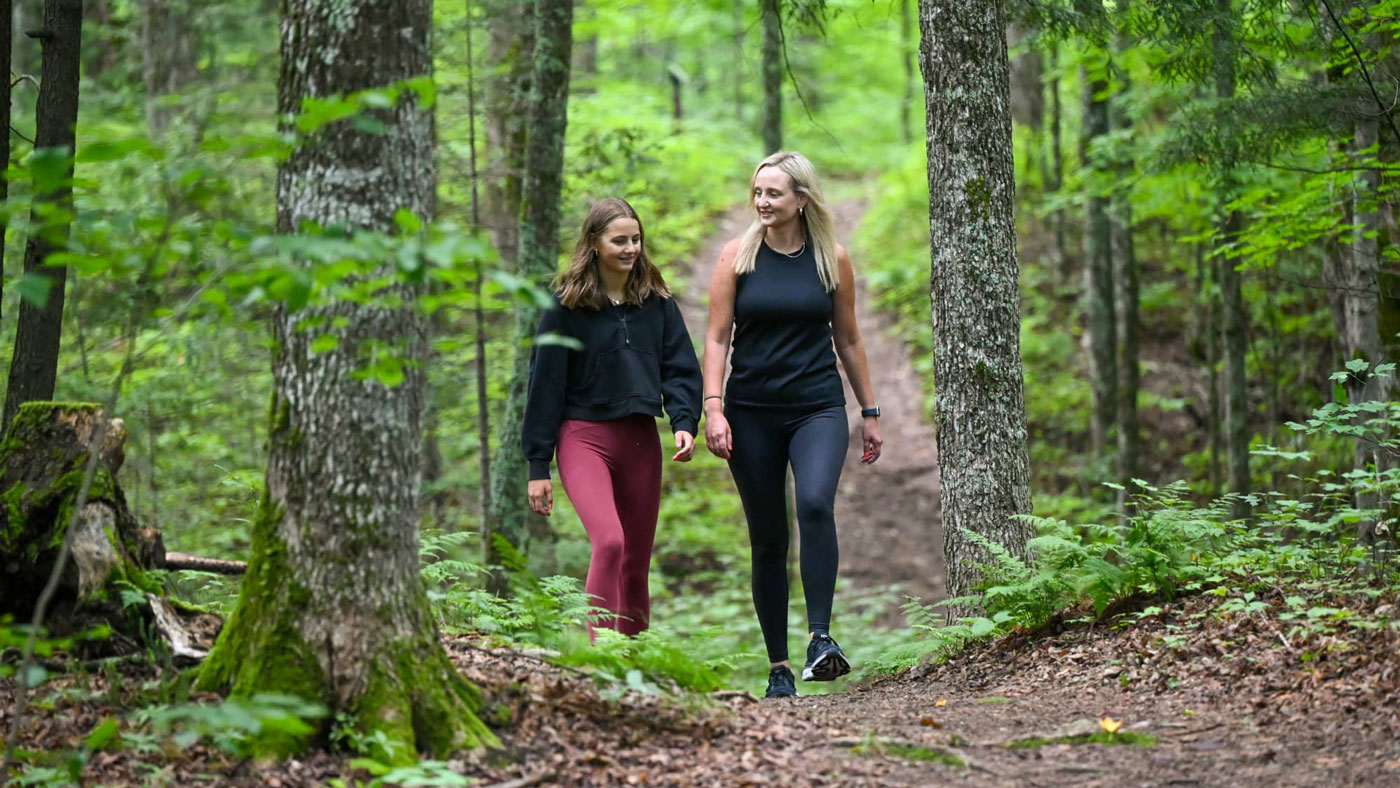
49	168
103	734
34	288
324	343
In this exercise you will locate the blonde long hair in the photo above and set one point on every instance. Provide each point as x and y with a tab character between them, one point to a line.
816	219
580	283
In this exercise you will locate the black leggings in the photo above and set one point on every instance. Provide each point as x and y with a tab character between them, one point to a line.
815	442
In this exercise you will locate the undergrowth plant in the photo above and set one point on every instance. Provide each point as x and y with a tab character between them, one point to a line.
1166	545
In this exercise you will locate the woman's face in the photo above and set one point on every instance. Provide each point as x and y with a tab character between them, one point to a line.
619	246
774	198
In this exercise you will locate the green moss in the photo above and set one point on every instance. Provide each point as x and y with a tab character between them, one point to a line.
260	648
1132	738
910	752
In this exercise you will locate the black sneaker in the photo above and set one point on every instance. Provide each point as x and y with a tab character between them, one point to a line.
825	660
780	683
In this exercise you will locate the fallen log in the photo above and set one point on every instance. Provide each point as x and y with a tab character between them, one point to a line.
200	563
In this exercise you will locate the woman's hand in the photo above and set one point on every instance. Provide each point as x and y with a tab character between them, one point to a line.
541	496
685	445
717	437
873	441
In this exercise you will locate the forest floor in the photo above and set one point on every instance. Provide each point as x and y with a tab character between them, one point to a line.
1205	697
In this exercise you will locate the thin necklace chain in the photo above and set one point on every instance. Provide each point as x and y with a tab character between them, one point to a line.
792	254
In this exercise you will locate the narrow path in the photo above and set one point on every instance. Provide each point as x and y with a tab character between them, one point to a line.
887	514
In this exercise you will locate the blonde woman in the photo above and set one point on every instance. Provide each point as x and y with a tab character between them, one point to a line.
783	296
596	406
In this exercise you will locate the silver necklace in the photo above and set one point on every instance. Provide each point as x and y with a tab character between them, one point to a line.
792	254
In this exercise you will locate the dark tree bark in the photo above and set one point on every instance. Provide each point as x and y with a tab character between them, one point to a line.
769	10
1233	316
34	363
981	417
333	607
539	257
1100	330
7	15
169	57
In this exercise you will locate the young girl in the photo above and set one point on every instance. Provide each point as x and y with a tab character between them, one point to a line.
596	405
784	294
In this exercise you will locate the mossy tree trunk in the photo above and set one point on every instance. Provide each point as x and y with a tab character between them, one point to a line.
43	460
539	257
981	414
333	608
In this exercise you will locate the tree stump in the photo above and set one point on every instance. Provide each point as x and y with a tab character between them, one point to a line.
42	463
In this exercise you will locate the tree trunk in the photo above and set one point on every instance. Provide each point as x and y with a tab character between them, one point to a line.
737	38
1233	315
907	54
483	415
539	257
1125	280
772	75
7	15
1100	331
981	418
1208	307
42	464
510	44
333	608
1063	263
34	363
1362	299
169	57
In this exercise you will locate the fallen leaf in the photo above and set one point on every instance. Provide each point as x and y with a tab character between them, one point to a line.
930	722
1110	725
941	702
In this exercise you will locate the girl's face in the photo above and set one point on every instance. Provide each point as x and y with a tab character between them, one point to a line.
618	247
774	198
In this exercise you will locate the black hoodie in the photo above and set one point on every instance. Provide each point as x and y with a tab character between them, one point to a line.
634	359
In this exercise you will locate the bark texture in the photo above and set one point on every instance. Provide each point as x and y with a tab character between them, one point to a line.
34	363
981	417
539	256
769	11
333	608
1100	329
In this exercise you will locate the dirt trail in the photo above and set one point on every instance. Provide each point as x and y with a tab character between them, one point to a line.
886	514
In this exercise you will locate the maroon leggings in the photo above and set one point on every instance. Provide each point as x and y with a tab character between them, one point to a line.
612	473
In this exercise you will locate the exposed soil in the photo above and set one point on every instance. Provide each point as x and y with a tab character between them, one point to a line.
1227	699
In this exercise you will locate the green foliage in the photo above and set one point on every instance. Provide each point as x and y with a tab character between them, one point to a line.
234	726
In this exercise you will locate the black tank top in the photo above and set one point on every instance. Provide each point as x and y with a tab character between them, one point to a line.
783	356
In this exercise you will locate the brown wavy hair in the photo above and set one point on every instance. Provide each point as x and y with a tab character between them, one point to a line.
580	284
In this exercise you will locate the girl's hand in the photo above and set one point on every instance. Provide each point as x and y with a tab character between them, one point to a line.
541	496
873	441
685	444
717	437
